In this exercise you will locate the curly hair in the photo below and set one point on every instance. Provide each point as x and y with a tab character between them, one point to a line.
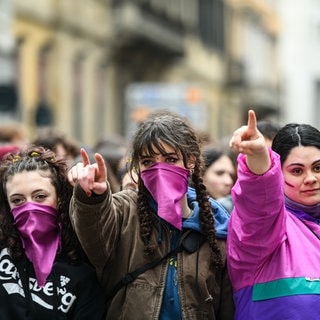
166	128
36	158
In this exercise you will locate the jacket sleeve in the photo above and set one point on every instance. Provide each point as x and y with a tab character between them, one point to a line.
97	221
257	224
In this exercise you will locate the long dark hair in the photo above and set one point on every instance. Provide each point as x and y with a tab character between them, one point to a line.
37	158
168	128
293	135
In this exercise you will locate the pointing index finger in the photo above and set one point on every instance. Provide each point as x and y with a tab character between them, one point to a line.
252	121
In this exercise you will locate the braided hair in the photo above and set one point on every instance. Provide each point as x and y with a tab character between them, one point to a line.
166	128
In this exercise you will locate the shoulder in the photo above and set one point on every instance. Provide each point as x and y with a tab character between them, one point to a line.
126	197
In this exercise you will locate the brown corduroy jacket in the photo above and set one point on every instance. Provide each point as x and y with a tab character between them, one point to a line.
109	230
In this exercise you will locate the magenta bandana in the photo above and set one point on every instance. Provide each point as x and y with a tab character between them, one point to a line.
40	233
167	184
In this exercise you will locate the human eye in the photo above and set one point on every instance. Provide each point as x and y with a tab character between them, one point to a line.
220	172
146	162
296	171
317	168
40	197
16	201
172	159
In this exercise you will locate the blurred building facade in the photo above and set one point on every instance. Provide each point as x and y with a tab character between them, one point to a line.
75	60
299	50
8	92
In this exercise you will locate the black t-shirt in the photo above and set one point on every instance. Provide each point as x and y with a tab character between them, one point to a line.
71	292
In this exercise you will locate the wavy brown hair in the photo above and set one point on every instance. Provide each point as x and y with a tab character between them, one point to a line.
168	128
36	158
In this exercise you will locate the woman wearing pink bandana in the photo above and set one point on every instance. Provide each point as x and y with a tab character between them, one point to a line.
43	272
129	236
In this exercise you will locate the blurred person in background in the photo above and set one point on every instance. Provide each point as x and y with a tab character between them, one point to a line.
59	142
113	149
13	137
44	272
268	129
219	175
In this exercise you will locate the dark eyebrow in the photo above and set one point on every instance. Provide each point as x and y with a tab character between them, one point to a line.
165	154
315	162
295	164
39	190
33	192
145	156
15	195
170	154
302	165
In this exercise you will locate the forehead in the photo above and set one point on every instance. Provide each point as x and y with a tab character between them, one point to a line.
303	155
159	148
26	181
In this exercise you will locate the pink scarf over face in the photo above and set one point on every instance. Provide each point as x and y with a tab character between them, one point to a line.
167	184
40	233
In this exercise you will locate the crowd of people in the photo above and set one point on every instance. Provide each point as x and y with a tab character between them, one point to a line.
164	227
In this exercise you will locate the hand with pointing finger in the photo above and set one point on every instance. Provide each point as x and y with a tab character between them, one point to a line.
250	141
91	177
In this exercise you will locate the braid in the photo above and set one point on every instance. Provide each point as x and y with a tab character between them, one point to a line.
146	225
165	128
206	216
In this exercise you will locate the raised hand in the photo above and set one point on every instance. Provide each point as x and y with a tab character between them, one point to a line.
250	141
91	177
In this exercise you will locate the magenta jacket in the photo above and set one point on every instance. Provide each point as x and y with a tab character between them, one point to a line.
273	256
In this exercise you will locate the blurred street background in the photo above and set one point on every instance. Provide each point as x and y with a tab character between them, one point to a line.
97	67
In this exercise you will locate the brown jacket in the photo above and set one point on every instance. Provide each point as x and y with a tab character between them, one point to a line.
108	228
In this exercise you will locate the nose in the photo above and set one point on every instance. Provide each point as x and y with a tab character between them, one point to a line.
310	178
228	180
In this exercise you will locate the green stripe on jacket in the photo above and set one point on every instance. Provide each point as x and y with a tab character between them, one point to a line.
285	287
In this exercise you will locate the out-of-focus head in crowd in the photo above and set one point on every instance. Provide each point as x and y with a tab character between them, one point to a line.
59	142
113	148
269	129
219	172
13	137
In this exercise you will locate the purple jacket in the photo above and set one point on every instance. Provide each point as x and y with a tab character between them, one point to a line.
273	256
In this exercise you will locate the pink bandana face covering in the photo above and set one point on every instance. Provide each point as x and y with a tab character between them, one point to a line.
167	184
40	232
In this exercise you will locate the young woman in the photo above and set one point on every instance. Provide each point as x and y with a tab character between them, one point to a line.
43	274
131	229
274	233
219	175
